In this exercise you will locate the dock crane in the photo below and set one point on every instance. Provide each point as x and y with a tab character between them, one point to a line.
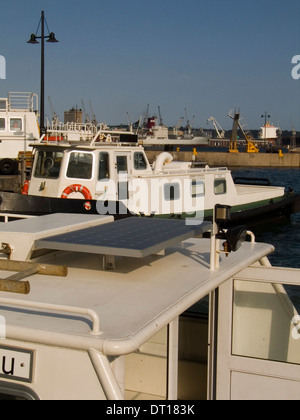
218	128
189	126
233	137
94	119
86	116
160	117
54	114
251	148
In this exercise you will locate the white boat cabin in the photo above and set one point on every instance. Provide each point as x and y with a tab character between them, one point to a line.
18	127
109	171
167	316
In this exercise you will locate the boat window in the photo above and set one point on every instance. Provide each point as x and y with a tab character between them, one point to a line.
80	165
197	188
265	324
3	104
220	186
16	392
48	164
103	166
139	161
2	124
121	164
172	191
16	124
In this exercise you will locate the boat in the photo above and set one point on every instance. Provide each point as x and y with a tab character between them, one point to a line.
269	133
18	129
143	309
112	175
155	134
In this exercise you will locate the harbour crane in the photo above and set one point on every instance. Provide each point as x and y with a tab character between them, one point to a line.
54	114
189	126
86	116
160	117
94	119
251	148
218	128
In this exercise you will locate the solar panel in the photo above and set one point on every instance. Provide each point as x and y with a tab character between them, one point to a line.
132	237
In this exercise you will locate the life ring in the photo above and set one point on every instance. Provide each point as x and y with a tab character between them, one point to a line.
25	188
77	188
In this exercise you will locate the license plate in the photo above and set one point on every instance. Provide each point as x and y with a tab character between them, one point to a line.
16	363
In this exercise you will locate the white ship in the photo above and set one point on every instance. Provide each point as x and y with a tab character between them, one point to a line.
159	135
269	133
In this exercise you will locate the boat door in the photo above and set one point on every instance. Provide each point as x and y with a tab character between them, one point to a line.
123	171
258	349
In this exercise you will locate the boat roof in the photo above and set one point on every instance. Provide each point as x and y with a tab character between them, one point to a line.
116	311
85	144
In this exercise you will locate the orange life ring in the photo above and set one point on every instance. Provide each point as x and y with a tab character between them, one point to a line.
25	188
77	188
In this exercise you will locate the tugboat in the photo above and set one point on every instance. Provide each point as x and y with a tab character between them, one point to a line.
112	175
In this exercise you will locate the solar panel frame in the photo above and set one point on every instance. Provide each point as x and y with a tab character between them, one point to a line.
132	237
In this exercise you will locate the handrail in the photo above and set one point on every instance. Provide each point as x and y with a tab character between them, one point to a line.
60	308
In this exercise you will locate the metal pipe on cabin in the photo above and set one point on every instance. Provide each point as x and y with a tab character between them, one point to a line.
105	375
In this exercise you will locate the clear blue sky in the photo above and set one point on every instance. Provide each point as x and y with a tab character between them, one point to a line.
206	56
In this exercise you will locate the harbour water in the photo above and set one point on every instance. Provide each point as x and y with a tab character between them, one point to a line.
284	235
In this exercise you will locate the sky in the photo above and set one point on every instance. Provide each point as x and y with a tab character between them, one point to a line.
191	58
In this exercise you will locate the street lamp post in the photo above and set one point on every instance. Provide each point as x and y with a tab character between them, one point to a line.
33	40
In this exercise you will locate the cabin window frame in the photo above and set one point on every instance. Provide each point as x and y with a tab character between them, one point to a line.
40	164
107	163
219	182
17	392
5	124
175	195
80	172
122	164
15	119
138	165
194	184
3	104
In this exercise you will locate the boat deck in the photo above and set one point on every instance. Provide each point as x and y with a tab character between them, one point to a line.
115	311
253	189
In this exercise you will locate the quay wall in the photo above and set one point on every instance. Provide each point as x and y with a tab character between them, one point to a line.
232	160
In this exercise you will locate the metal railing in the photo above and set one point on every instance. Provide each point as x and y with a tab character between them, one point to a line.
22	101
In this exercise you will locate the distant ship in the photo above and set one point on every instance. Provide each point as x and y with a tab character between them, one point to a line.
154	134
269	133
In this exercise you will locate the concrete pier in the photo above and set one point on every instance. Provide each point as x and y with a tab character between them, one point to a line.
233	160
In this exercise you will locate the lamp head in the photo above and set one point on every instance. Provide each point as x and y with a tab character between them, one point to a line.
52	37
33	39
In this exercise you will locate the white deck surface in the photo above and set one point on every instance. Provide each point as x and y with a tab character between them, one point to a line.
132	302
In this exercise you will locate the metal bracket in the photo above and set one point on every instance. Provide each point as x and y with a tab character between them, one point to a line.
109	262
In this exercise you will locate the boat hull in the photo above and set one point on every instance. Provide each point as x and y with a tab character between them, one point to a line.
31	205
18	204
